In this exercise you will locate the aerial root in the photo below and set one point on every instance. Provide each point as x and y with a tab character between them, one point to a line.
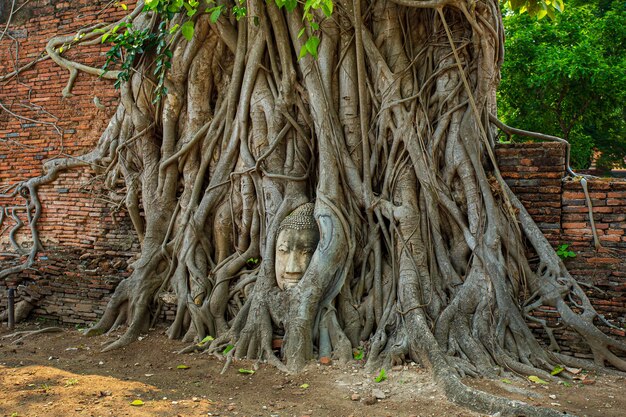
28	333
483	402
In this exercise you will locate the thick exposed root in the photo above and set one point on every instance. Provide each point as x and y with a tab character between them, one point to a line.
23	334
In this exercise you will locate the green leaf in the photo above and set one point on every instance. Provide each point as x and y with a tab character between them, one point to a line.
246	371
228	349
537	380
358	354
557	370
215	13
175	6
542	13
187	30
205	340
190	10
304	386
382	375
301	32
239	12
506	381
137	403
302	53
516	4
311	45
182	367
327	7
290	5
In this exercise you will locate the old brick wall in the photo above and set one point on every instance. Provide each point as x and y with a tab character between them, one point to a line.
605	269
535	172
88	240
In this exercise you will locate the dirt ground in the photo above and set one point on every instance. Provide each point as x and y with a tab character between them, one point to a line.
65	374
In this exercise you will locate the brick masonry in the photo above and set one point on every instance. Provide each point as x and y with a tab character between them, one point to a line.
89	240
535	173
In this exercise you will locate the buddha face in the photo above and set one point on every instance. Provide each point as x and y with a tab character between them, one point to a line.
294	250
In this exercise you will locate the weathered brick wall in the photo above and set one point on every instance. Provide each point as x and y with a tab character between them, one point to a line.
88	241
604	268
534	172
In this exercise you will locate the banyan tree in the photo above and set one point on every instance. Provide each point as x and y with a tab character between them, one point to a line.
324	173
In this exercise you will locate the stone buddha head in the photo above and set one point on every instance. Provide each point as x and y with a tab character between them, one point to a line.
298	237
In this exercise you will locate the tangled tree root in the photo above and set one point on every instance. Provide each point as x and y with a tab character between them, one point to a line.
390	132
23	334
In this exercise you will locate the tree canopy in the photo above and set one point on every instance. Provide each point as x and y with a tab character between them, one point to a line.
567	77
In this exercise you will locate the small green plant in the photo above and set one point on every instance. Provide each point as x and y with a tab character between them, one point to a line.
252	262
382	375
564	252
358	354
71	382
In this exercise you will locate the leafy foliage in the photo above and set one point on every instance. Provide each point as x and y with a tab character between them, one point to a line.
567	77
537	8
127	46
564	252
128	43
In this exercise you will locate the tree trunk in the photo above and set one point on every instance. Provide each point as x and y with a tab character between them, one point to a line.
421	253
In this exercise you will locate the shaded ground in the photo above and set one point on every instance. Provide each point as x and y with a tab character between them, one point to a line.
64	374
